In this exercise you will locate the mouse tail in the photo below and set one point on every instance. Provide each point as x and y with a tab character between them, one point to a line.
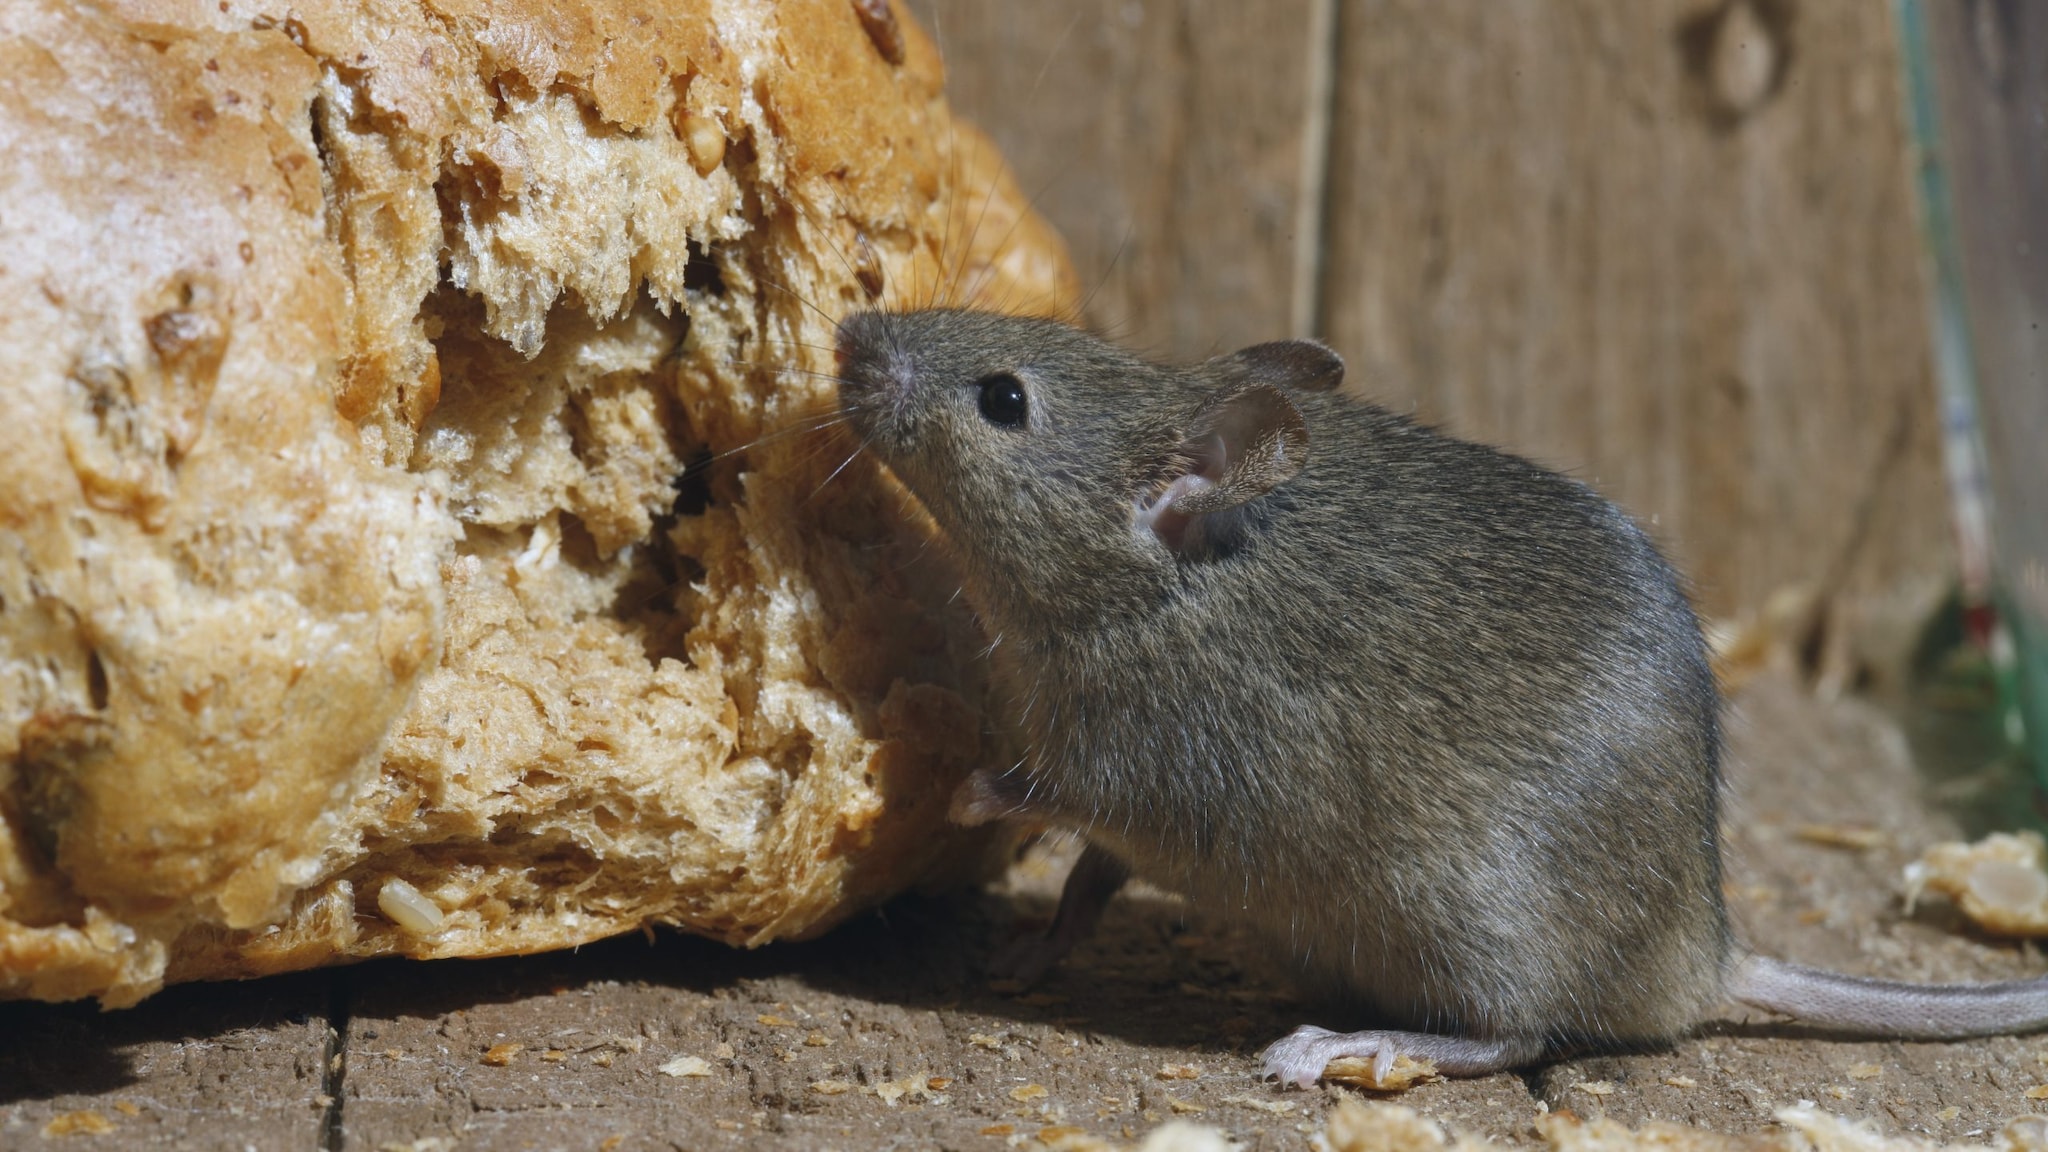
1892	1008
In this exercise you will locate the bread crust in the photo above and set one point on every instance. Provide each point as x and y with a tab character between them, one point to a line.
353	356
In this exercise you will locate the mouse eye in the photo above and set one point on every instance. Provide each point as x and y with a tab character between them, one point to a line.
1002	400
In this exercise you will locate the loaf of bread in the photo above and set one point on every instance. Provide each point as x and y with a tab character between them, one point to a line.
422	530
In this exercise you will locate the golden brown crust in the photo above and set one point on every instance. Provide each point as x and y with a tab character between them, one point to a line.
353	355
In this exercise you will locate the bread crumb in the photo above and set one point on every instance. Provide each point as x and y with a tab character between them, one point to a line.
938	1083
72	1123
1865	1071
1178	1072
1184	1106
916	1085
774	1022
998	1129
984	1040
127	1108
1272	1107
1948	1113
2038	1092
499	1055
686	1066
1406	1073
1028	1092
1681	1082
1998	881
1842	836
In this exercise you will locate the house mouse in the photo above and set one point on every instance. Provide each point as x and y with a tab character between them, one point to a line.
1435	721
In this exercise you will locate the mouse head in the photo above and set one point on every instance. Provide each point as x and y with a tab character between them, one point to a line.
1070	475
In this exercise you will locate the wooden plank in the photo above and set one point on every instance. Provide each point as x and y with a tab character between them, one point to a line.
1668	246
1163	138
197	1066
885	1035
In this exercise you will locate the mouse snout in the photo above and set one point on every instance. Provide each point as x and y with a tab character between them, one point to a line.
875	376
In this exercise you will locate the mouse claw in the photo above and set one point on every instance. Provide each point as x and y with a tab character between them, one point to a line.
1296	1059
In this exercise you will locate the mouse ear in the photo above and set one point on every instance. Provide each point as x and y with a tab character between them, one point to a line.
1303	365
1244	442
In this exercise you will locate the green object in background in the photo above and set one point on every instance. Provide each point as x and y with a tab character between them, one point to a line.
1977	103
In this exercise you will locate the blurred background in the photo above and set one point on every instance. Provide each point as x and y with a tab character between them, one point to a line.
1751	267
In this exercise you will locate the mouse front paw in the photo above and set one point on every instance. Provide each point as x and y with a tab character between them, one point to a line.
987	796
1300	1058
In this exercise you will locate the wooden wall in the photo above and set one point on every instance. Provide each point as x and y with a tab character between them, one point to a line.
1666	244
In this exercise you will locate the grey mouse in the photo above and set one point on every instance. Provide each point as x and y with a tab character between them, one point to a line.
1434	720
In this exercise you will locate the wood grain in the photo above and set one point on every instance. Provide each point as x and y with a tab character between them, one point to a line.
1162	138
196	1066
1668	246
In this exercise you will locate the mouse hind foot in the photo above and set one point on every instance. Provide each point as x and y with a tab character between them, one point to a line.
1300	1057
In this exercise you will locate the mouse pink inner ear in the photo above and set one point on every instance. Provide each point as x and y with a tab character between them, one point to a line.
1244	442
1303	365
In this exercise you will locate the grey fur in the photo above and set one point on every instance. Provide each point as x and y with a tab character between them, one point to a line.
1438	721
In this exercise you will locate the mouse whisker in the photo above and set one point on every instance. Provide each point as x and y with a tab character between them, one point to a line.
850	458
824	229
777	369
815	423
1107	271
965	256
801	299
790	342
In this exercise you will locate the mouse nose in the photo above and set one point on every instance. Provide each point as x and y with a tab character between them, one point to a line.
861	355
